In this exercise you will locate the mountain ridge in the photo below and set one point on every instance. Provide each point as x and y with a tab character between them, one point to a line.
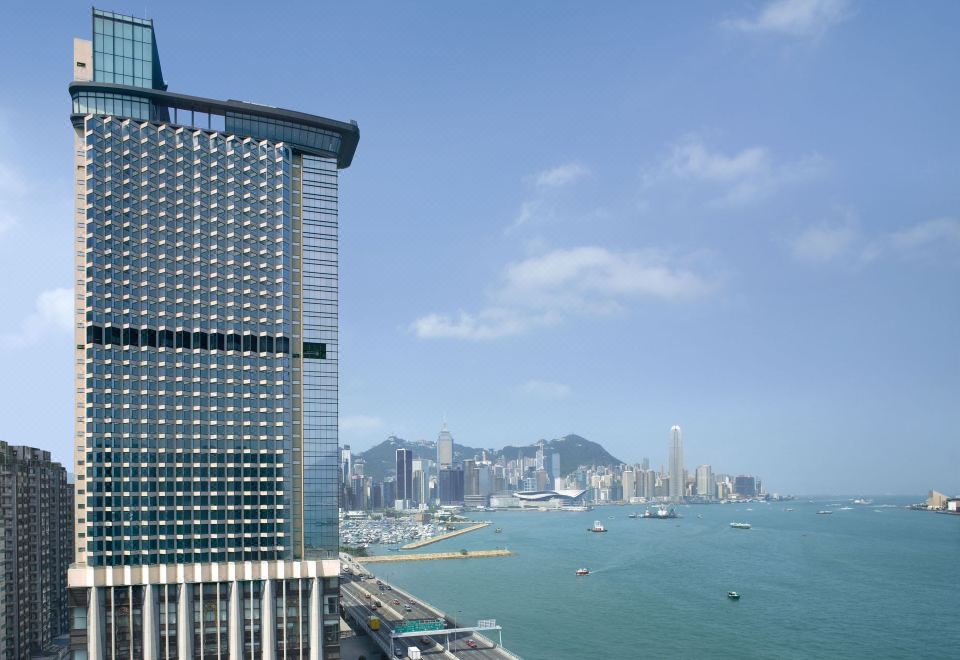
575	450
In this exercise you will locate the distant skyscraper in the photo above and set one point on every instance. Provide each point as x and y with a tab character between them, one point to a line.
206	359
649	484
555	467
629	481
404	478
745	486
645	464
450	485
444	447
705	482
36	547
677	479
345	463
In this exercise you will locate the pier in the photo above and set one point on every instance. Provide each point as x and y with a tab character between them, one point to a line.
408	622
424	556
443	537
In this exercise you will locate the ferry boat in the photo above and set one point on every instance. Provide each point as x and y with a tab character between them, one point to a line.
583	571
739	525
597	527
733	595
861	500
662	513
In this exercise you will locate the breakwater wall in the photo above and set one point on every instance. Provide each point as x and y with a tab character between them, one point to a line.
442	537
433	555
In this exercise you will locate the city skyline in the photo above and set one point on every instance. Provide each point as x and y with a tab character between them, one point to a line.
745	241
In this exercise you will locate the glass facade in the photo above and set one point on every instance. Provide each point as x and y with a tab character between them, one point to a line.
189	377
306	137
124	51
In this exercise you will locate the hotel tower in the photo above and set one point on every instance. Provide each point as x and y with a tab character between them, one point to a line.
205	444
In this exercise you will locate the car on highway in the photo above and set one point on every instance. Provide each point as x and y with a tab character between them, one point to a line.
425	641
472	644
389	588
367	596
407	608
396	602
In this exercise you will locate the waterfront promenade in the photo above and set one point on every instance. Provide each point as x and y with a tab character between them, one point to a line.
434	555
443	537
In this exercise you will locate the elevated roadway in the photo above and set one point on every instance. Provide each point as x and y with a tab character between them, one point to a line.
360	595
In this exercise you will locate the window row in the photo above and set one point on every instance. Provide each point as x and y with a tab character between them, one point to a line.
214	341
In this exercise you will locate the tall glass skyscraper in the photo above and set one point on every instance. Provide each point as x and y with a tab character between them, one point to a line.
206	366
677	478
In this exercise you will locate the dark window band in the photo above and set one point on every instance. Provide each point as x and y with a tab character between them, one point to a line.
213	341
314	351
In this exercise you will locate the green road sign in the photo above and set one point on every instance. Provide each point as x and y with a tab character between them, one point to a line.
421	625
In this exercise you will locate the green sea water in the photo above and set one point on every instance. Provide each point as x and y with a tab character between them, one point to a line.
868	582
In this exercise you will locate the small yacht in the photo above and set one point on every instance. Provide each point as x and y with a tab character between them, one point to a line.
733	595
497	530
740	525
583	571
824	513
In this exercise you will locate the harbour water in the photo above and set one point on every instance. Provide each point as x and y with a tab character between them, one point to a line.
872	581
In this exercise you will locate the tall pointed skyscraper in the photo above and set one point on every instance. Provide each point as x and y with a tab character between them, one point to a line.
206	364
444	448
677	479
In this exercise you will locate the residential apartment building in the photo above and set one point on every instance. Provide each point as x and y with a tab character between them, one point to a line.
36	548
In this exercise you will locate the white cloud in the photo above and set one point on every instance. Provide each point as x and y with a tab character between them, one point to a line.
545	390
938	231
561	175
489	323
823	242
547	289
360	423
52	314
540	208
796	18
736	179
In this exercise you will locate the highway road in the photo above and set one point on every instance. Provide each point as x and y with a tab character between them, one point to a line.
359	596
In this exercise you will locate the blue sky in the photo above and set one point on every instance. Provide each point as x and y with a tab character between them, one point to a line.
743	218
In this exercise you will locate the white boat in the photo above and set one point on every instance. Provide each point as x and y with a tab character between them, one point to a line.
824	513
583	571
861	500
740	525
662	513
597	527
